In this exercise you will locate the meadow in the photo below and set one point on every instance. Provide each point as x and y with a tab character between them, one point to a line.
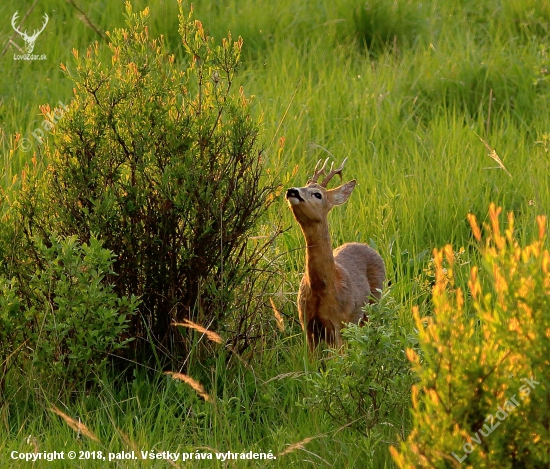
440	107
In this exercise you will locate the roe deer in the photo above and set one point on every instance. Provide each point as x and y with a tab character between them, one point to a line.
336	284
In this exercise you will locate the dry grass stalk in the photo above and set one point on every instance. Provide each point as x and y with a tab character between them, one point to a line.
191	382
76	426
31	440
278	316
207	448
299	445
191	325
291	374
493	154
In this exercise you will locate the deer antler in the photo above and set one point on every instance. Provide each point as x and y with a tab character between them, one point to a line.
13	20
332	172
316	173
36	31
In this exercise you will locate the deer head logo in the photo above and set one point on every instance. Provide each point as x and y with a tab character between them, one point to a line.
29	40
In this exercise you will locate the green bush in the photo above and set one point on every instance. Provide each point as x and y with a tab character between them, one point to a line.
13	323
62	317
369	383
13	326
160	159
82	318
483	392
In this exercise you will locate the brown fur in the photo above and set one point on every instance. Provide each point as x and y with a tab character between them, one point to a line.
338	283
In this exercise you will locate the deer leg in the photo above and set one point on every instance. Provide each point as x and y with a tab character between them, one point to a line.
337	336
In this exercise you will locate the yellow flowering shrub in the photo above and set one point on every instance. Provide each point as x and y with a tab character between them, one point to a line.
482	398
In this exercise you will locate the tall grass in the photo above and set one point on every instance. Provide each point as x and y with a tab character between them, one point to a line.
410	111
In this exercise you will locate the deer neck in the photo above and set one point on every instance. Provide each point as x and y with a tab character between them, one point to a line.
320	267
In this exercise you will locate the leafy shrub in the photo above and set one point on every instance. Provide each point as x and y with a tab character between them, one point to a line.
12	320
63	317
370	382
159	158
83	319
13	326
482	399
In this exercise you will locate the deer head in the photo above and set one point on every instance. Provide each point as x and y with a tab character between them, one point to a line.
29	40
311	204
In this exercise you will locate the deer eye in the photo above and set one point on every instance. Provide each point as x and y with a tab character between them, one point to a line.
318	195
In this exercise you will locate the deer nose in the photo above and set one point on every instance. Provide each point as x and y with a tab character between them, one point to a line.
292	192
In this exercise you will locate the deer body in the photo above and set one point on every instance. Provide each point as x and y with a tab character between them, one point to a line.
336	284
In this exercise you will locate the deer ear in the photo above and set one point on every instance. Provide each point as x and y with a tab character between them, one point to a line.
340	194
